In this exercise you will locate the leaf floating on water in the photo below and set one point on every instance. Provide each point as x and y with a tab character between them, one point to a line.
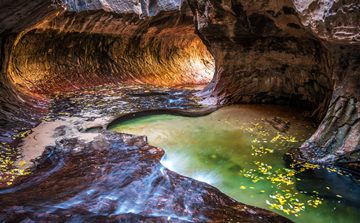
260	151
242	187
276	138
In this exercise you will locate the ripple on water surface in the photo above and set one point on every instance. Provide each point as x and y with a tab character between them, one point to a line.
236	150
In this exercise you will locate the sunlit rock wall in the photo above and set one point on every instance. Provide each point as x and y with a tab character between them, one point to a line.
95	43
18	111
44	61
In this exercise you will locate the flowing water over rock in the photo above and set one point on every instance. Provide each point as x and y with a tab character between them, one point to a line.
116	178
239	150
88	174
73	113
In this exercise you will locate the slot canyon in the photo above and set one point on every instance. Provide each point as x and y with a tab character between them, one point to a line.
180	111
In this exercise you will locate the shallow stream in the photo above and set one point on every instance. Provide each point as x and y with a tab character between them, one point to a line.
237	150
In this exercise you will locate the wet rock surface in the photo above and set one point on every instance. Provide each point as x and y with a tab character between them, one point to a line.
117	177
114	177
122	100
74	113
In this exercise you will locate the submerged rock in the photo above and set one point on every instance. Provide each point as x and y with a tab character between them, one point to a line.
279	124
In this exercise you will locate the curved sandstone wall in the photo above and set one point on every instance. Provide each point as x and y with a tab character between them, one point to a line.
75	49
46	61
307	50
263	53
337	23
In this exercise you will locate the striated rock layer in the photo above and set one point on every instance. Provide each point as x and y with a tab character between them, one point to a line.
100	44
337	24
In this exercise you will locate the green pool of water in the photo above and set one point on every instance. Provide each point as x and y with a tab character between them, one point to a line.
237	151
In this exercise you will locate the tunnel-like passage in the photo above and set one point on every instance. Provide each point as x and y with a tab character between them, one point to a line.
70	51
164	52
264	53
